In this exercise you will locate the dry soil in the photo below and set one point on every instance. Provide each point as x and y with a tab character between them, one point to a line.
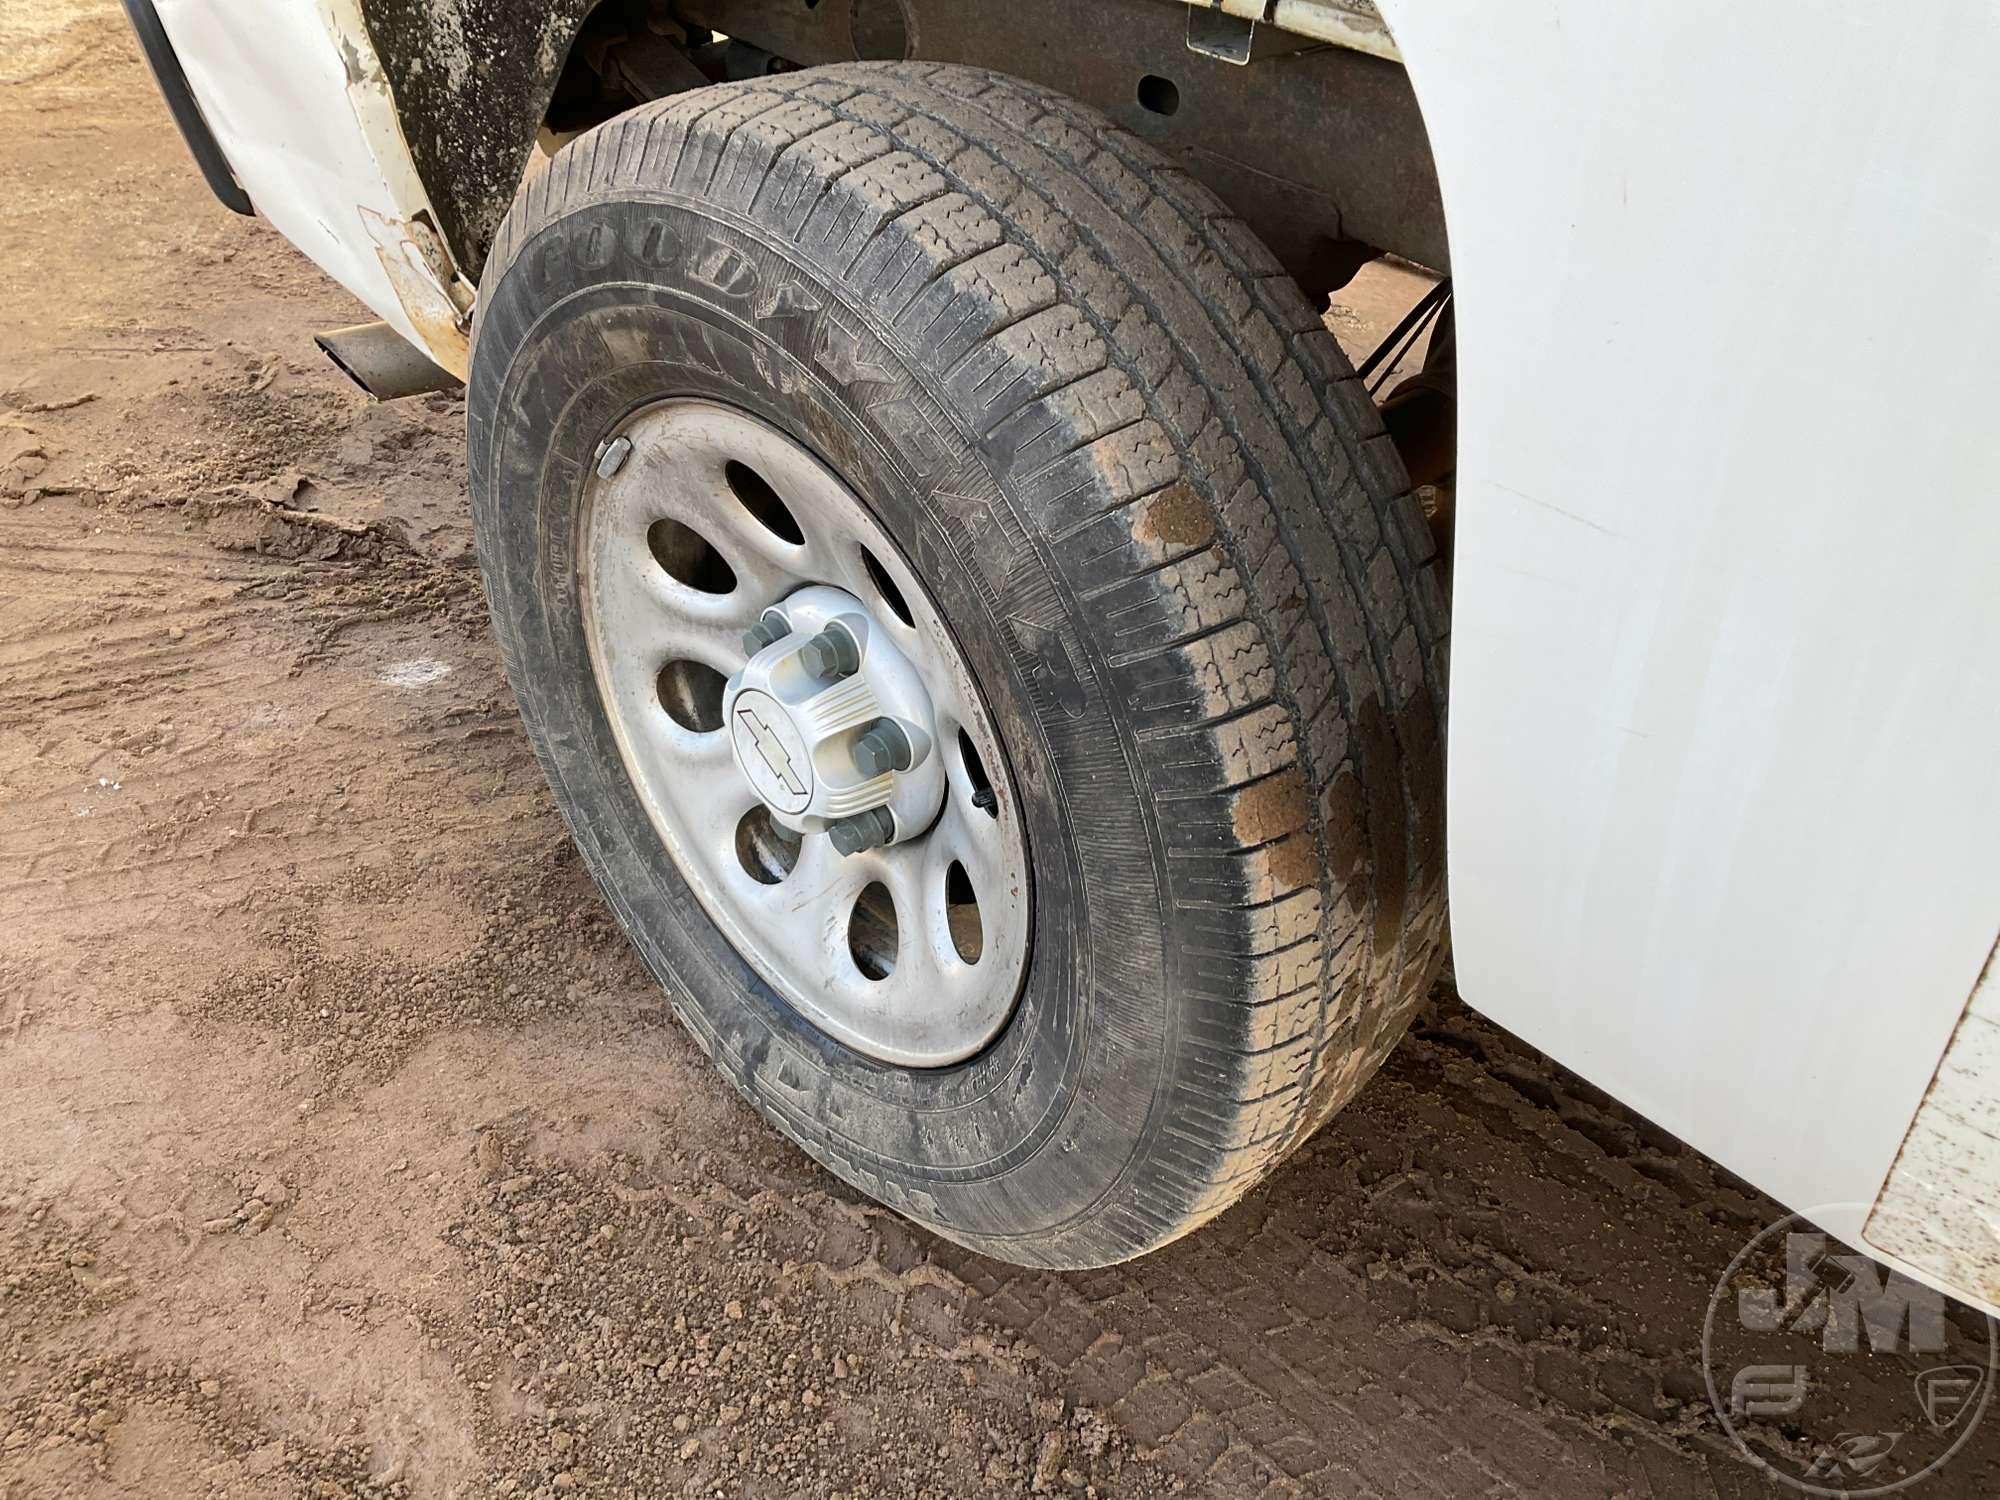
346	1148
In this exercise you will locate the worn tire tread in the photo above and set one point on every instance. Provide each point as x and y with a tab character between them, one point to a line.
1211	477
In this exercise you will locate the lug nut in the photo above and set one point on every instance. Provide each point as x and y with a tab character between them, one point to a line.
866	830
831	654
883	747
772	626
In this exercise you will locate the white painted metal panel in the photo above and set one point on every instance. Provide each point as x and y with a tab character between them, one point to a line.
297	103
1724	832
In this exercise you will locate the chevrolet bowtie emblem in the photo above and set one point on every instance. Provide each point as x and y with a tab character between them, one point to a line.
772	751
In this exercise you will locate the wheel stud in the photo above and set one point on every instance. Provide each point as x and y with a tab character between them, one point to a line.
883	747
831	654
772	626
866	830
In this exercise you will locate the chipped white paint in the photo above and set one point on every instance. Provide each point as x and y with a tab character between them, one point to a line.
436	299
414	672
1354	24
414	259
1940	1208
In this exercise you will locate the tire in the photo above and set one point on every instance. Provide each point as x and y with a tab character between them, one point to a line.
1187	579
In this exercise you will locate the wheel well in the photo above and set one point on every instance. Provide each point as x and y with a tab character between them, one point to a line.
1321	149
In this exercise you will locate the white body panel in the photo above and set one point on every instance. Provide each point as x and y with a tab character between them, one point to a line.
296	99
1724	831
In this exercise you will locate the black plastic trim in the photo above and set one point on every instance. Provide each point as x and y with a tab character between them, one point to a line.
187	114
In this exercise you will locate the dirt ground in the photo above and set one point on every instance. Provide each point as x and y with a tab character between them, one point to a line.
346	1149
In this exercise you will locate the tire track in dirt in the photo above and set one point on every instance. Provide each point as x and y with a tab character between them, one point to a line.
129	637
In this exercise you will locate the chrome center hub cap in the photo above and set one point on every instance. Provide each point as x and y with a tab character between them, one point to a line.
804	734
831	723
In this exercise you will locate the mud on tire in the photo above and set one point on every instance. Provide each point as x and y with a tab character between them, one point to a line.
1121	449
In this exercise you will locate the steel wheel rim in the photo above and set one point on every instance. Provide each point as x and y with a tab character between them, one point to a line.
908	994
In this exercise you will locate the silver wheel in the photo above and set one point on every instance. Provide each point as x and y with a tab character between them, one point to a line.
804	733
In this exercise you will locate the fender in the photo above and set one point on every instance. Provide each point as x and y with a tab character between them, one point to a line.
302	112
1723	831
